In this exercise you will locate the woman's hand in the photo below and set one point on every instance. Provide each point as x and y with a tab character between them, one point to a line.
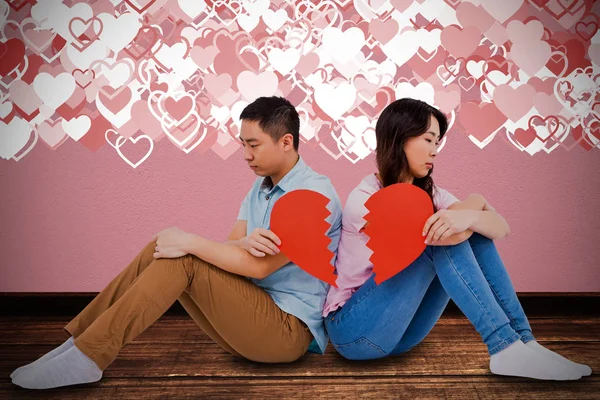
260	242
445	223
453	240
172	243
488	207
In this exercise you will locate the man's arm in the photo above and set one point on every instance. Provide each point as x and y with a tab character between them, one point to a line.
238	232
235	259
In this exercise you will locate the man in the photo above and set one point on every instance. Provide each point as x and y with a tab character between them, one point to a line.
244	293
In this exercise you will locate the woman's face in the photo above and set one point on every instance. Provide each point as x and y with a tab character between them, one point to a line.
421	150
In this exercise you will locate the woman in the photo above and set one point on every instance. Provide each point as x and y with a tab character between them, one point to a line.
368	321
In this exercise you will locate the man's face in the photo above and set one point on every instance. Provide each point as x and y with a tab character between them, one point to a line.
262	154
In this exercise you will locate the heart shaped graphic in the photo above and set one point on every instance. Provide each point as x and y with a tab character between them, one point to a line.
145	39
335	133
275	19
573	142
37	39
112	101
384	31
17	5
591	137
186	130
544	128
558	63
514	102
453	65
335	101
425	55
524	136
383	97
118	73
559	8
179	108
7	111
141	160
11	54
303	234
52	133
303	238
481	120
396	217
466	82
79	28
497	73
586	30
83	78
58	43
122	140
141	7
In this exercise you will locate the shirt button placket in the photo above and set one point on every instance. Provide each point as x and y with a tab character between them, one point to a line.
267	197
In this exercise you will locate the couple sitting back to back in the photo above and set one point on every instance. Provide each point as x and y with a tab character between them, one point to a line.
257	304
367	321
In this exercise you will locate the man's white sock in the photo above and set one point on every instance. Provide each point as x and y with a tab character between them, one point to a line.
53	353
69	368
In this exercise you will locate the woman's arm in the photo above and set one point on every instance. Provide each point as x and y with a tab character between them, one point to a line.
485	220
490	224
472	202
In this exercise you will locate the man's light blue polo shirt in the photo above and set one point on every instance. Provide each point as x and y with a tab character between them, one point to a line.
294	290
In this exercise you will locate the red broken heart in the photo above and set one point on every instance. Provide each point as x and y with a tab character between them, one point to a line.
298	219
396	217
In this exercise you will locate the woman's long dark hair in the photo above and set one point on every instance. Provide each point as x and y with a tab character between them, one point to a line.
399	121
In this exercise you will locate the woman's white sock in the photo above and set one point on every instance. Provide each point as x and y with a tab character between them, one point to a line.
519	360
584	369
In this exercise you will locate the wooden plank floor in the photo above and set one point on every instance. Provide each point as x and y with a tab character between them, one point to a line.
174	359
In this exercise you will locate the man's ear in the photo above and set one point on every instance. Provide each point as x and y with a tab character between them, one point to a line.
288	140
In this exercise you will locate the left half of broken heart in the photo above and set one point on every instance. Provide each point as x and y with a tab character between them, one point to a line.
299	220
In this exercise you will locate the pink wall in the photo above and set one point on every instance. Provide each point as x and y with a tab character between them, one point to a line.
71	222
118	119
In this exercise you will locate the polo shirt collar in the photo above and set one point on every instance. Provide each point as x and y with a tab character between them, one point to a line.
287	180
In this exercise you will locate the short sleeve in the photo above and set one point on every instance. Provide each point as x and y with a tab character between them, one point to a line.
334	219
443	198
323	186
243	213
354	211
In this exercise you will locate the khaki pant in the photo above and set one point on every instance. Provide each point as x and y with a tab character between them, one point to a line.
238	315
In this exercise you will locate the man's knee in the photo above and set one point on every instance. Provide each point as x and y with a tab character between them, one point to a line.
196	268
147	254
194	261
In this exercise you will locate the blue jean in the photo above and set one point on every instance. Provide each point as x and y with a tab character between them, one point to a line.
396	315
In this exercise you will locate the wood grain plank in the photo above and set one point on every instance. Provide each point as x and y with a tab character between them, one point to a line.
175	359
177	329
209	360
348	388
